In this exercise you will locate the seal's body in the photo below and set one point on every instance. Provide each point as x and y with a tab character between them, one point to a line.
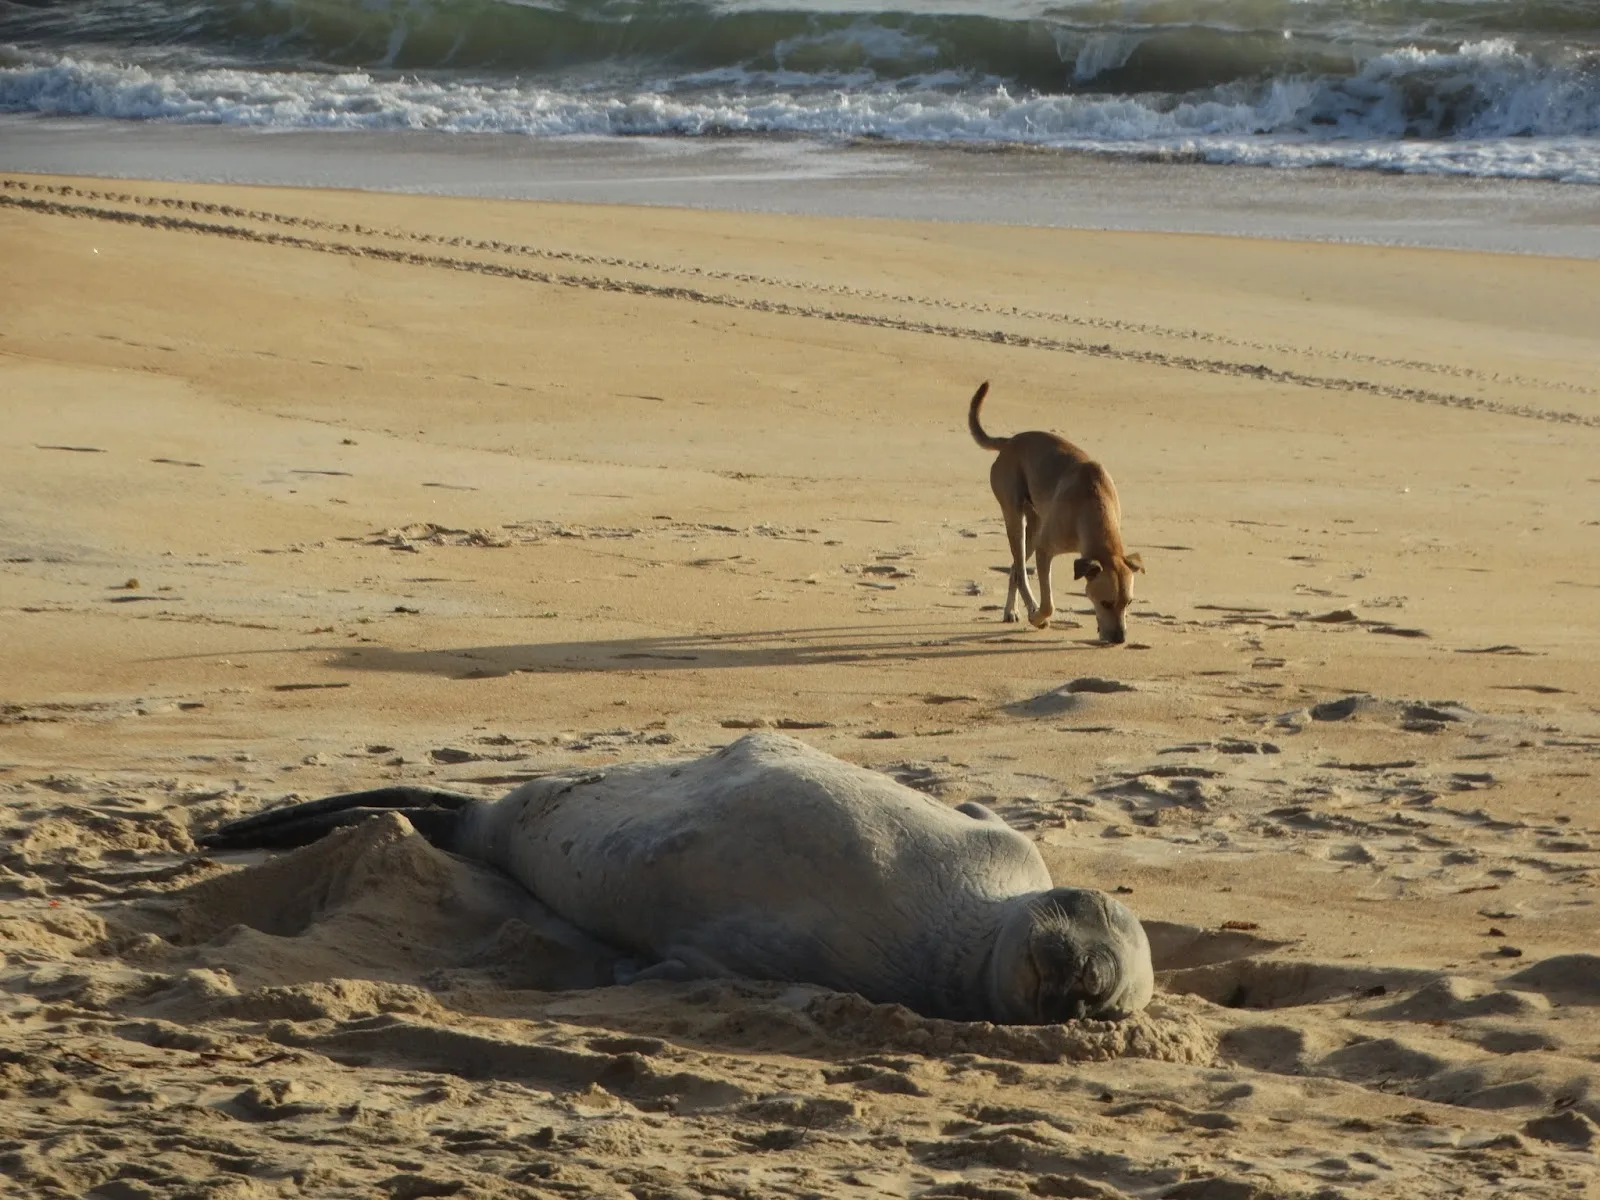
771	860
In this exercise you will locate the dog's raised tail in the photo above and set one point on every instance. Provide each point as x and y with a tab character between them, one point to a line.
978	435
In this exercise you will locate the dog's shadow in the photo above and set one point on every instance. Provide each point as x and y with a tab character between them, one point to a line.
823	646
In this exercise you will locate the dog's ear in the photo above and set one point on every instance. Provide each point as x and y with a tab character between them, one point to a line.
1135	563
1085	568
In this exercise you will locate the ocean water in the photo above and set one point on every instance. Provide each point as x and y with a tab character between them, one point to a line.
1486	88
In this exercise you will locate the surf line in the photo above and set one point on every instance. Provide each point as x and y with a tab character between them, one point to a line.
1209	366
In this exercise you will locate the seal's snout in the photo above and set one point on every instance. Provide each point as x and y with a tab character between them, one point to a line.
1086	957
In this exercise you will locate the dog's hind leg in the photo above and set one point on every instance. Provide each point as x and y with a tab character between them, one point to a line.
435	813
1017	535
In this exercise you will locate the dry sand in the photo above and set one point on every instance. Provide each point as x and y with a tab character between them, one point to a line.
305	492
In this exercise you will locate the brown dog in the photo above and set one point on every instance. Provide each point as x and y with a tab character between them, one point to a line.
1056	500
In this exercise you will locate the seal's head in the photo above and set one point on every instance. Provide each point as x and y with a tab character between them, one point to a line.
1066	954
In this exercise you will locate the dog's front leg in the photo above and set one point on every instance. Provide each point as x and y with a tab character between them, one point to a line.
1040	617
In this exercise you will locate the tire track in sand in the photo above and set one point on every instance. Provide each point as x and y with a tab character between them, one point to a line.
600	282
545	253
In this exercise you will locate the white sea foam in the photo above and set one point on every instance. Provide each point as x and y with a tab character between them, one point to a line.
1488	110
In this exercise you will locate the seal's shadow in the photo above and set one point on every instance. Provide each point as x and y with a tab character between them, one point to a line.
820	646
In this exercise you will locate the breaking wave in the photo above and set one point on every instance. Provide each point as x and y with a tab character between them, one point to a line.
1475	87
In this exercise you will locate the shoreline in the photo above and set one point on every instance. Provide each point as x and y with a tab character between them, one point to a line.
1016	187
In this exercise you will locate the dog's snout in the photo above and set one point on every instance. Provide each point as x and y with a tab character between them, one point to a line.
1117	636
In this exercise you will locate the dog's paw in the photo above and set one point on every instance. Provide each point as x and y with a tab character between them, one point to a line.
1009	618
1041	618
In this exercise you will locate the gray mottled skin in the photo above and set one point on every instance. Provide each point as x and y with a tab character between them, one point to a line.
772	860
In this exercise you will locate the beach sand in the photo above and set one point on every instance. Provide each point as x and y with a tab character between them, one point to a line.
313	491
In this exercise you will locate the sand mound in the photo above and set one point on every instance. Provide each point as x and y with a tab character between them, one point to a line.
1071	697
1569	1128
377	902
1566	978
1454	999
1164	1031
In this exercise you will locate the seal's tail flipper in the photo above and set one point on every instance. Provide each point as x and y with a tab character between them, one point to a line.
436	815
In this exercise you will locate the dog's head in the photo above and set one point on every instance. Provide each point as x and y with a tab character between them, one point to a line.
1110	590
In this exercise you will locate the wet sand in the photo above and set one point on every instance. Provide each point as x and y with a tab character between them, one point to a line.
864	179
307	491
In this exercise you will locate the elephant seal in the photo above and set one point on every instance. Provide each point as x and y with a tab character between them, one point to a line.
771	860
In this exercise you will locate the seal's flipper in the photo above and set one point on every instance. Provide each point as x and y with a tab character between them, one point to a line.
436	814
